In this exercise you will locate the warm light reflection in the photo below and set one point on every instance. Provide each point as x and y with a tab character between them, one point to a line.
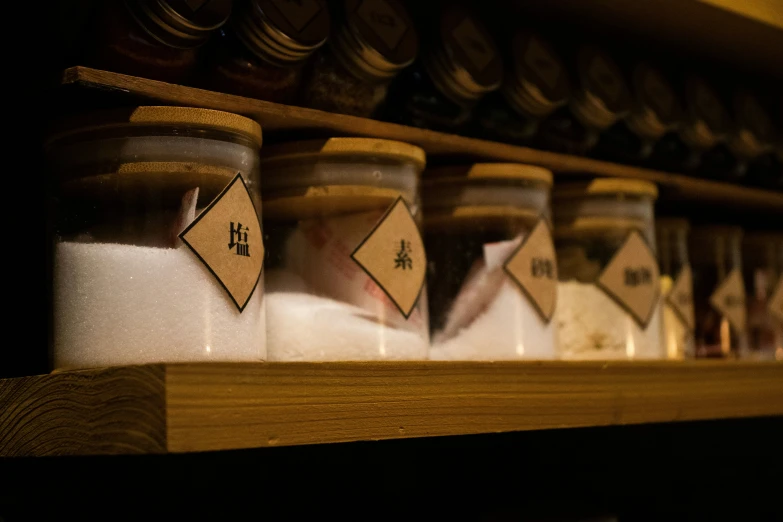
630	344
725	336
518	326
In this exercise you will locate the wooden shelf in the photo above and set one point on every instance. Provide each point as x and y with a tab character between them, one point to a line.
203	407
282	119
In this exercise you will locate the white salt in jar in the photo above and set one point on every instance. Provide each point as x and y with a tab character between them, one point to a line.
676	287
608	295
492	280
346	267
159	248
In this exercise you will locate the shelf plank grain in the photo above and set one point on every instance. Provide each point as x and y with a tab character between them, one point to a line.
277	118
203	407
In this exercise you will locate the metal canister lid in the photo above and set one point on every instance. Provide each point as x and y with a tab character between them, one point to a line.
753	134
539	82
463	60
375	39
283	32
706	120
657	108
603	95
183	24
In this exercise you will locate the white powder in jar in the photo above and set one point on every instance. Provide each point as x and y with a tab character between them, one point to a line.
591	325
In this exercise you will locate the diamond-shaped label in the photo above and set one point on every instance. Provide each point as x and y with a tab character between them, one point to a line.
384	20
473	43
680	297
729	300
227	238
605	77
393	255
533	267
298	12
776	301
631	278
545	65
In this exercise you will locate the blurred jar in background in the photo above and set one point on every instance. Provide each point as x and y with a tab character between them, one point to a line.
676	287
763	261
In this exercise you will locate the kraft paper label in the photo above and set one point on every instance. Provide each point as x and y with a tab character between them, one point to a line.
603	75
539	59
478	50
227	238
384	20
680	297
299	13
533	267
393	256
631	278
729	300
658	91
776	301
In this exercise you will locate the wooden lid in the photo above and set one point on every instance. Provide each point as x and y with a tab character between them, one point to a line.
336	147
490	171
163	115
326	200
607	186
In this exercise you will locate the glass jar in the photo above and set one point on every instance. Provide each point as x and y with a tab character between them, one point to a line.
608	306
654	112
156	39
346	267
373	40
492	278
158	247
536	85
599	100
719	292
762	256
262	51
458	67
676	287
704	127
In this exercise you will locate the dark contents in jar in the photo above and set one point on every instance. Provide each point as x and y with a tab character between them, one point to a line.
562	132
619	143
496	120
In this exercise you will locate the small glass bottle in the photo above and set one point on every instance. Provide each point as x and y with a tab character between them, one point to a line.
676	287
655	111
156	39
719	292
460	65
600	98
763	266
536	84
261	52
704	126
372	41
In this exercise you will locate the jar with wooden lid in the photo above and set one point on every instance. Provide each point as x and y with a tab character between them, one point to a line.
676	287
459	64
156	39
159	249
347	265
705	125
655	110
261	52
536	85
719	292
492	280
608	294
762	259
599	98
372	41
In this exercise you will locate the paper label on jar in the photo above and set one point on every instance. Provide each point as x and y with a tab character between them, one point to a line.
393	256
384	20
776	301
631	278
545	65
658	91
227	238
478	50
680	297
729	300
533	267
603	75
299	13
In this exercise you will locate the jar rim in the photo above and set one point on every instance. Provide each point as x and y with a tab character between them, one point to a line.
337	147
607	187
489	172
167	22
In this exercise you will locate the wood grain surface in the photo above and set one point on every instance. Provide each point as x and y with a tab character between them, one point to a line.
305	122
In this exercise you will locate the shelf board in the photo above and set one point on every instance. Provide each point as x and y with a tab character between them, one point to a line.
283	119
203	407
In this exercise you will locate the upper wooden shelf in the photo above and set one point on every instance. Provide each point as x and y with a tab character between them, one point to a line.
282	119
204	407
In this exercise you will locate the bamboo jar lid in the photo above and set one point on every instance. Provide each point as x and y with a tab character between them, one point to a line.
489	172
370	148
607	187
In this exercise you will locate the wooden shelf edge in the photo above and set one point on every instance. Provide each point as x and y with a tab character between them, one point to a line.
206	407
283	118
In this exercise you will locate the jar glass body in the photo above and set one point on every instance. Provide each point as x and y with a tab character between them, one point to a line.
676	291
495	119
762	261
323	304
589	233
126	289
478	311
561	131
620	143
